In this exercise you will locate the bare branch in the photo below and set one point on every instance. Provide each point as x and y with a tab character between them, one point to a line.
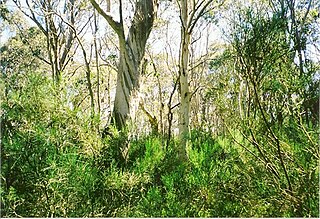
116	26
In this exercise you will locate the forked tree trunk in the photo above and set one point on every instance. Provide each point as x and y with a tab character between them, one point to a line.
132	49
190	13
42	13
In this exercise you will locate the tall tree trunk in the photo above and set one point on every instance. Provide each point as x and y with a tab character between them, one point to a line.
97	61
189	16
132	49
184	86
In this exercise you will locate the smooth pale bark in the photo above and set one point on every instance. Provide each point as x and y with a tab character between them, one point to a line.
184	87
132	49
190	13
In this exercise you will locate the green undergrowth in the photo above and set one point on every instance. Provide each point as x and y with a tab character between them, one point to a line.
54	163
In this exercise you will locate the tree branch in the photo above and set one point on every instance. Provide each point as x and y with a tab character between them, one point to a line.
116	26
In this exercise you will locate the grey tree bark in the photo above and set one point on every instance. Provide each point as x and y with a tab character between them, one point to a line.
132	49
184	86
190	13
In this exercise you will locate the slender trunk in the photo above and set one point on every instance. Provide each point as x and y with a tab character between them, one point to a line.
274	137
184	86
161	106
58	45
170	113
88	77
152	120
54	41
97	60
89	84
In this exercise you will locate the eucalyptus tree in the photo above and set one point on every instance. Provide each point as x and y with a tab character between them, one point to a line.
190	13
131	48
63	24
56	20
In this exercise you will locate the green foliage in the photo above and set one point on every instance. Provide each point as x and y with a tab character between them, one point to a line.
44	162
52	167
261	91
19	54
146	154
112	152
55	162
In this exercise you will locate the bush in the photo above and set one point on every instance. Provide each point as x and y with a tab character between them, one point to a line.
45	167
54	164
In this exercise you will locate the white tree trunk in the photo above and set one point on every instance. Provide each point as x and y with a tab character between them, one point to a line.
189	15
132	50
184	86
